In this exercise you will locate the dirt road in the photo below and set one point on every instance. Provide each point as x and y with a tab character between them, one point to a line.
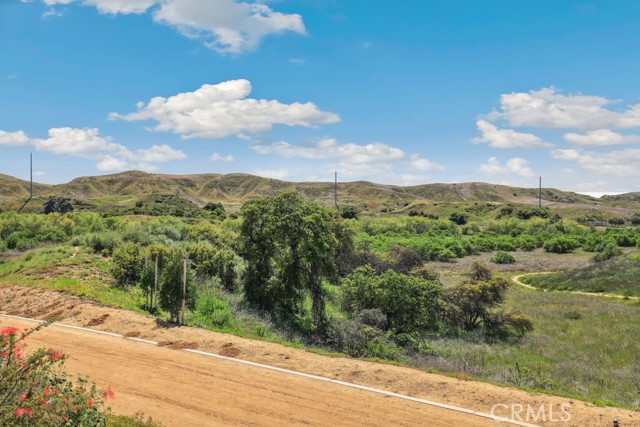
185	389
516	279
166	394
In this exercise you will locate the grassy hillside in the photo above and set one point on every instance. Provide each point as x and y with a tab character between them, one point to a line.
123	190
617	276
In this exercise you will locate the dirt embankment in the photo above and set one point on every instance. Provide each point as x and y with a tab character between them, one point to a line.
44	304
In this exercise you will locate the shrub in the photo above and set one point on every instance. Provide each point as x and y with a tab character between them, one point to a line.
171	287
503	258
560	245
211	311
102	243
127	264
458	218
609	251
57	204
34	392
409	303
480	272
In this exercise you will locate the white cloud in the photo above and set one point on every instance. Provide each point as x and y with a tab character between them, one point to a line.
87	143
506	138
376	161
298	61
617	163
13	138
223	109
601	137
215	157
517	166
226	26
351	154
592	186
273	173
546	108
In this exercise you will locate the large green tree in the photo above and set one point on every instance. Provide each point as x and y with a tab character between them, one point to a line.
290	247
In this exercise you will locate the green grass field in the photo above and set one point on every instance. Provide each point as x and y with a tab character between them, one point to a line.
620	275
582	347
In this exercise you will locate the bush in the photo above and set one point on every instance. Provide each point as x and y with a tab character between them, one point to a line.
34	392
560	245
210	311
458	218
358	339
610	250
171	287
409	303
57	204
127	264
503	258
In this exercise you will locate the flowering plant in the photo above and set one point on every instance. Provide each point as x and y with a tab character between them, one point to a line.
34	391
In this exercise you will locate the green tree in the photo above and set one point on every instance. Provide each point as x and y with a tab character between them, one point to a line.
171	287
57	204
290	247
410	303
472	305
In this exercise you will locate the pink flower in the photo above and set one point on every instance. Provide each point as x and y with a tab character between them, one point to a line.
8	330
108	394
20	412
23	396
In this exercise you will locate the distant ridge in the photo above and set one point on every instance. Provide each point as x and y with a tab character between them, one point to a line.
122	189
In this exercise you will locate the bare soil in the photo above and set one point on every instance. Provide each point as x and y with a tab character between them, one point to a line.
182	385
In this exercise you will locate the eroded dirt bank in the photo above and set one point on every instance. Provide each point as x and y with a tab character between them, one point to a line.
45	304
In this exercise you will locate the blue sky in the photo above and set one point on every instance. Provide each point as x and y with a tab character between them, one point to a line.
404	92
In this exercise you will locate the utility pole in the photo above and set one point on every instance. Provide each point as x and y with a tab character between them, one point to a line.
184	290
155	286
540	194
30	183
335	191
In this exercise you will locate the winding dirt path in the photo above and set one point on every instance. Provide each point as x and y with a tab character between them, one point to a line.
516	279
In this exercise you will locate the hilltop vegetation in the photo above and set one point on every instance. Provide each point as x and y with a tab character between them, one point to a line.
128	192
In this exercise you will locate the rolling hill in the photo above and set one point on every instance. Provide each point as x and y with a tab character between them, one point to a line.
124	190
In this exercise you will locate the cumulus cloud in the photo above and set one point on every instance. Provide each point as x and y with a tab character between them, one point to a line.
546	108
517	166
13	138
618	163
226	26
506	138
89	144
601	137
223	109
375	161
273	173
215	157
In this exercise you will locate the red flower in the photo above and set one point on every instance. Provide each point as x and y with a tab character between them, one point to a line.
90	402
23	396
8	330
20	412
108	394
55	356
